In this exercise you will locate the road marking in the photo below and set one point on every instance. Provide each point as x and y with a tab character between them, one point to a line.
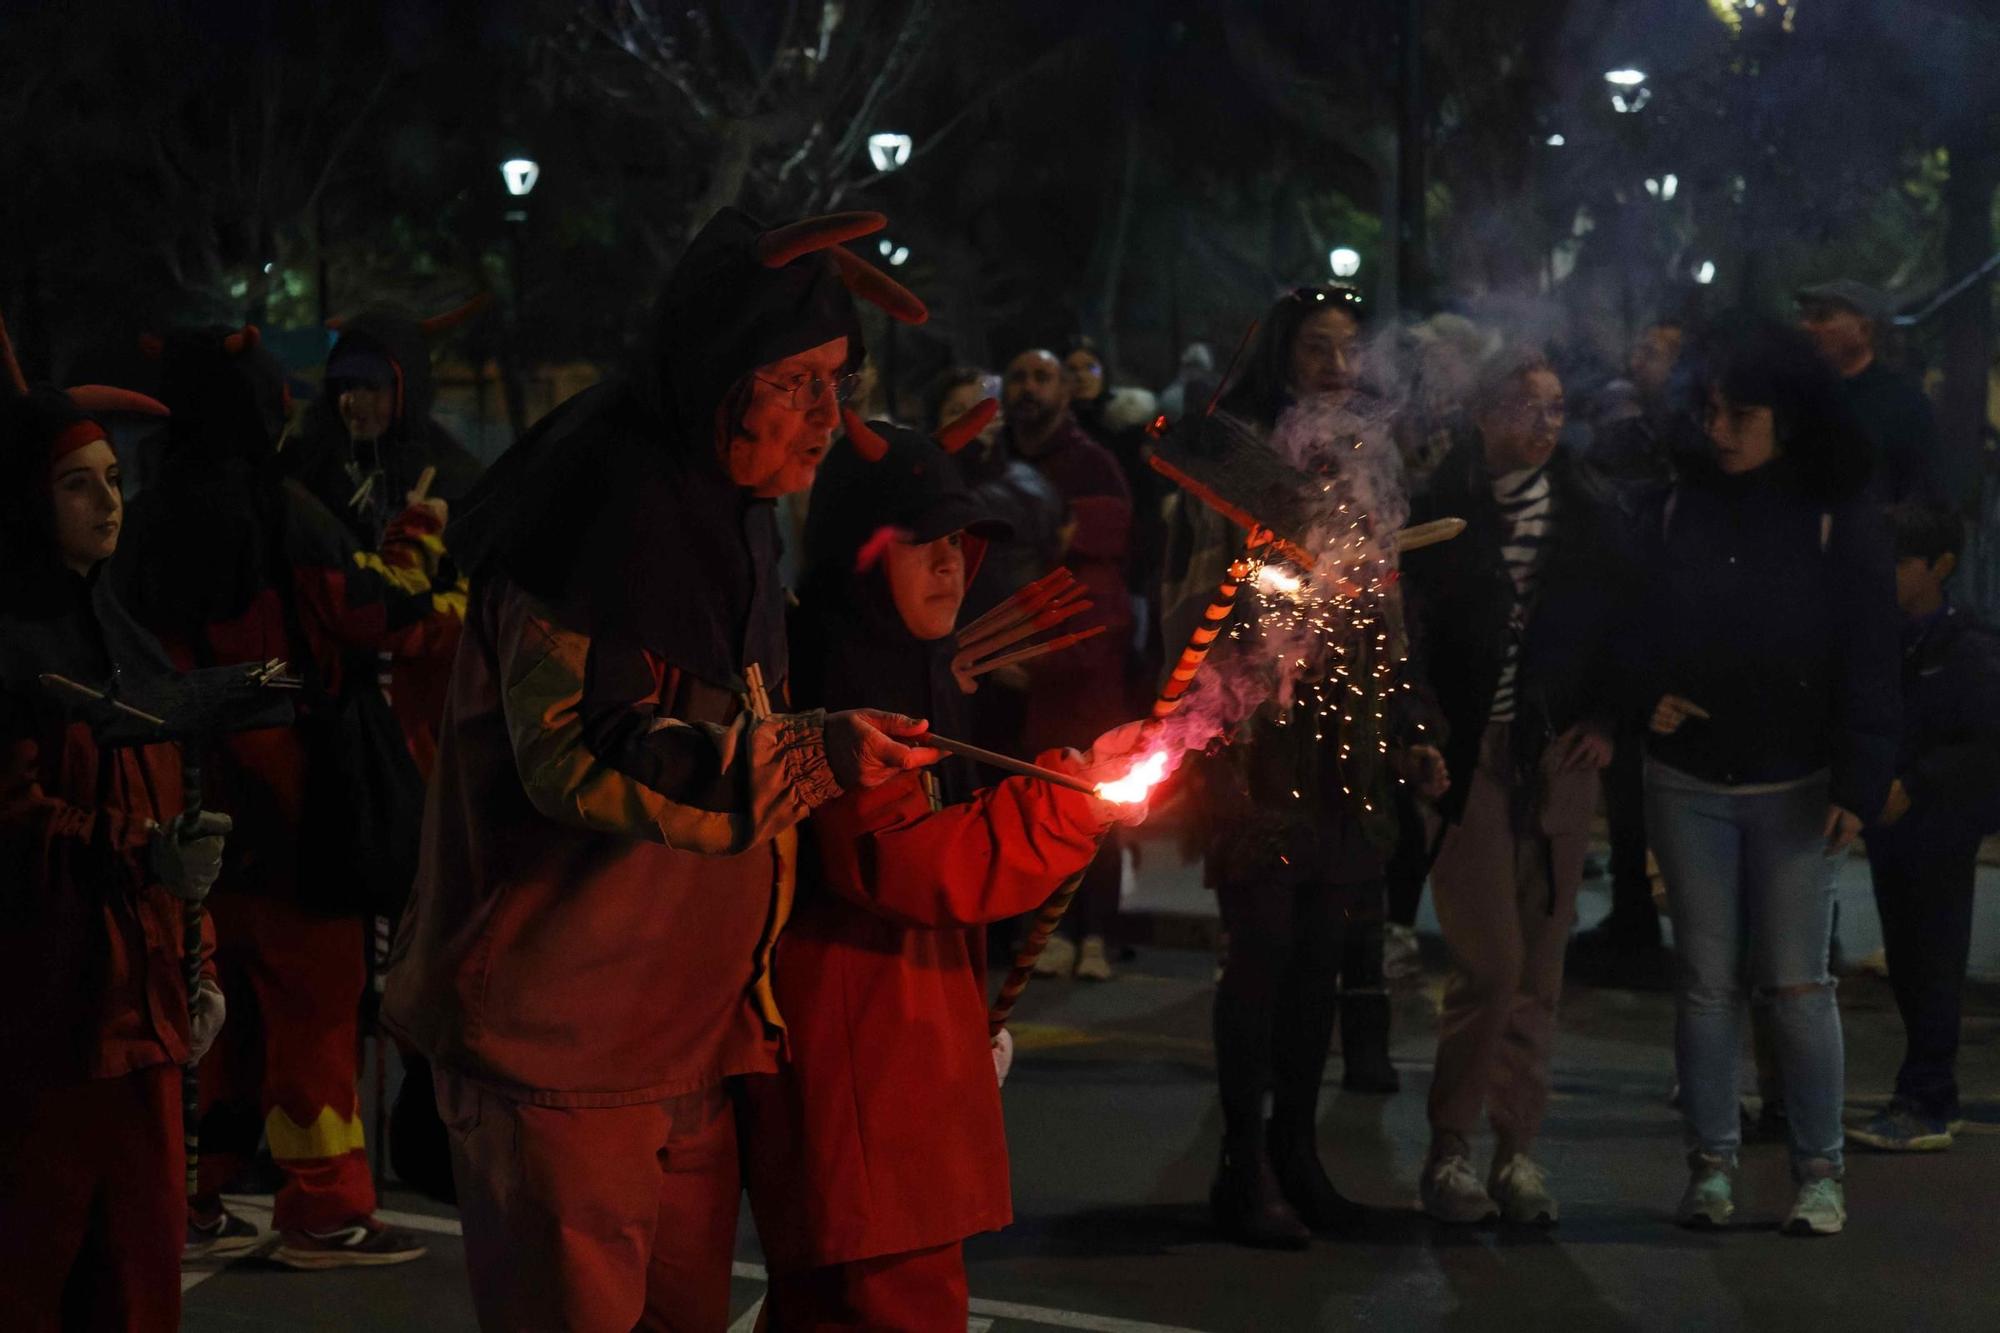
257	1208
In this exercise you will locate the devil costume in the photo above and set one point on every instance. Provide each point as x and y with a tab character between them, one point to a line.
229	563
610	835
879	1145
91	1195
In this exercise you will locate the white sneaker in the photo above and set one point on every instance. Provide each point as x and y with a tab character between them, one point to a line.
1820	1209
1058	958
1450	1192
1710	1197
1520	1189
1093	964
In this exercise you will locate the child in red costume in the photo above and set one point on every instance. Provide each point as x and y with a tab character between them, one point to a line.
879	1146
96	866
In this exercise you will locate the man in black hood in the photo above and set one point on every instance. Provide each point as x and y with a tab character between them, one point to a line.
370	435
611	833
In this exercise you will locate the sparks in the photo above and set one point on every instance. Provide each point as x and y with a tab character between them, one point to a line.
1133	787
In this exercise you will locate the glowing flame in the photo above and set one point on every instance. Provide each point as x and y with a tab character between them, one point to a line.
1272	579
1132	788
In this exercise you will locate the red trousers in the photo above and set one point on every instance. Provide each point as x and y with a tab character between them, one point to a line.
599	1219
93	1205
919	1292
288	1059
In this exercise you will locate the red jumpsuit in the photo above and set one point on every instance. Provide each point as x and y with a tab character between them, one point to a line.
879	1146
92	1200
294	977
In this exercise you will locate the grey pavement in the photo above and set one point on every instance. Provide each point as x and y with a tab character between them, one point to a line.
1113	1127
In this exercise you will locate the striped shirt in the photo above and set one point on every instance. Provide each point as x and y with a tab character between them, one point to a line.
1527	506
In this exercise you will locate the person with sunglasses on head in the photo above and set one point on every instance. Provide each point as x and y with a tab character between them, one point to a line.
1513	625
1297	820
611	832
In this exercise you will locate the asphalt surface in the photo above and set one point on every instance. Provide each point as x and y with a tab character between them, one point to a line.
1113	1126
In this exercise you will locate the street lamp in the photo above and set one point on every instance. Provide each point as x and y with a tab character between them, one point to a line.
1704	272
1555	141
1628	88
1344	261
520	174
897	255
889	150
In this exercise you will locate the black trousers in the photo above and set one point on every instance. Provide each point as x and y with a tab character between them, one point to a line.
1634	919
1924	897
1280	989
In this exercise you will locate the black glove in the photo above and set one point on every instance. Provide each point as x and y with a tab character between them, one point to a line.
186	854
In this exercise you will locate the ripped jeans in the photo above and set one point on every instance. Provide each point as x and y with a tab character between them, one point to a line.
1750	890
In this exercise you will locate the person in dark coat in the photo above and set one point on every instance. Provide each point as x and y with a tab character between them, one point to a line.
1767	658
1924	850
610	838
98	864
229	562
1298	835
1513	627
1845	320
878	1146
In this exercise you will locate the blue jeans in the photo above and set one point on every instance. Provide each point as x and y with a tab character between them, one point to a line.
1750	890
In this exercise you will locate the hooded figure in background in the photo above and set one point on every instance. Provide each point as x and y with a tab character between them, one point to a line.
610	837
879	1146
97	867
370	434
229	562
365	445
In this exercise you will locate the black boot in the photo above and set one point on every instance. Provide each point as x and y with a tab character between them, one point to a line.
1307	1188
1247	1204
1364	1044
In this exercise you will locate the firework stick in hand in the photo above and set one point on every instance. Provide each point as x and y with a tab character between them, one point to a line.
1047	618
1027	597
1046	922
1034	650
1213	622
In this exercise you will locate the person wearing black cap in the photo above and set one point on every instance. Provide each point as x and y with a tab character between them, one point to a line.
611	828
100	862
879	1145
1844	319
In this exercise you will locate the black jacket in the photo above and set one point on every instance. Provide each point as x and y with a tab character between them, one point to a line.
1461	597
1949	759
1774	610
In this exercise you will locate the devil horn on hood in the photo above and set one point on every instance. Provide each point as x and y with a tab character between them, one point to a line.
866	442
451	319
96	398
877	288
781	245
957	434
242	340
17	383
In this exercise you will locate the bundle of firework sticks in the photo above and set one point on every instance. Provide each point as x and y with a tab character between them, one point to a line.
1002	636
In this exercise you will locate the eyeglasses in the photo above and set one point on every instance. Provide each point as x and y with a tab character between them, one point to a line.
805	392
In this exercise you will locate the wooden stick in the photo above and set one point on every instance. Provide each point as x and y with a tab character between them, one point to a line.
1008	762
1429	534
1008	603
1072	595
1034	650
1048	618
1023	609
50	680
422	490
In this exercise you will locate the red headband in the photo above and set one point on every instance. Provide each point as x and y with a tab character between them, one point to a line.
75	436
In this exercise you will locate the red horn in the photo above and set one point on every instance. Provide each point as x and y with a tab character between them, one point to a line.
867	443
781	245
11	365
877	288
96	398
955	436
242	340
451	319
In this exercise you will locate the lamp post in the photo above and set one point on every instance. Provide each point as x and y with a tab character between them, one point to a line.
519	175
1344	260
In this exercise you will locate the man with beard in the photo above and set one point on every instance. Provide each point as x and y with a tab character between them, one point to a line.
1080	693
610	838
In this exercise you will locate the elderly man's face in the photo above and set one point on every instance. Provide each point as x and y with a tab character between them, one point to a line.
1036	391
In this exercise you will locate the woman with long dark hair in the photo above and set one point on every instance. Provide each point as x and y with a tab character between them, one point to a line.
1299	833
1771	670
